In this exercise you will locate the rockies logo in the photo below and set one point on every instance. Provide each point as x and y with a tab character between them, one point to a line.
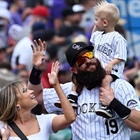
77	47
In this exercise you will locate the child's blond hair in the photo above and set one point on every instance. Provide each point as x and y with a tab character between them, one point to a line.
108	11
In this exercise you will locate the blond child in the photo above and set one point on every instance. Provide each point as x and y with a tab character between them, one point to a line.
109	46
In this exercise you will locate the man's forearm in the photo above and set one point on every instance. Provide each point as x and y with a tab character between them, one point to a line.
133	121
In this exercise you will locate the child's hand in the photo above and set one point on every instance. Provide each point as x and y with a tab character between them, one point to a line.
108	68
53	79
94	29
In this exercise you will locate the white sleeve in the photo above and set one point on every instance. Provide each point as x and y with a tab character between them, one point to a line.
121	44
126	94
50	96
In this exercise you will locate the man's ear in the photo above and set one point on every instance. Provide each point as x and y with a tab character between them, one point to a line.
74	70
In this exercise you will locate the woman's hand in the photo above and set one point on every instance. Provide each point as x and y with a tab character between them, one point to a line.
53	79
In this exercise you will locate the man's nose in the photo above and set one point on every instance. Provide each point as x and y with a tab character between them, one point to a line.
87	60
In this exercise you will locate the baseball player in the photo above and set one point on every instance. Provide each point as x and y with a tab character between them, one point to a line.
87	77
109	47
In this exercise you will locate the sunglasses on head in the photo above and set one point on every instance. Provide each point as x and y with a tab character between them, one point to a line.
81	59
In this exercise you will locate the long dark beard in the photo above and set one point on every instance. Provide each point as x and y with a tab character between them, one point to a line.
88	79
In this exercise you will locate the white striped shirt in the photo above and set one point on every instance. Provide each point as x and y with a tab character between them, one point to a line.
88	125
109	46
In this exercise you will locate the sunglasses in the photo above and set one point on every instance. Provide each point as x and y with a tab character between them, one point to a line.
81	60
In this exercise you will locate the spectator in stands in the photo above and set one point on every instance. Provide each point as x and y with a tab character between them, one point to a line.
23	75
22	54
6	75
14	35
5	23
16	8
38	13
55	7
64	74
72	17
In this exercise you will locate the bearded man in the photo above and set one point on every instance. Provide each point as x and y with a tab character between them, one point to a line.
86	81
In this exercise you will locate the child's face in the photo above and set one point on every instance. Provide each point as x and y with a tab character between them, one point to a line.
99	22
